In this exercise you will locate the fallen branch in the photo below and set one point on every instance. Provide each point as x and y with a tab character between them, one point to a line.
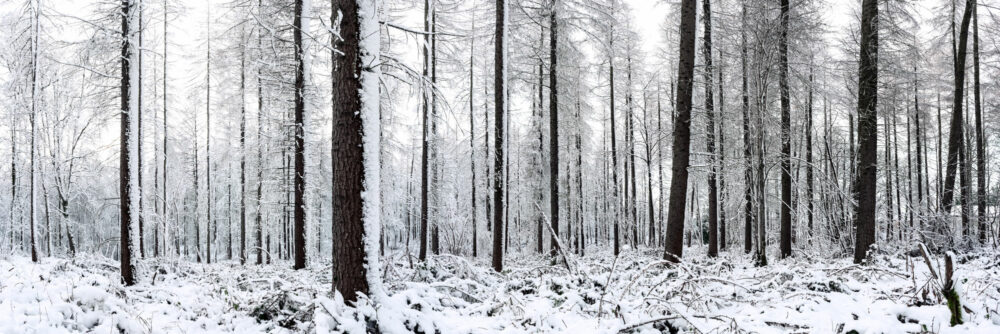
559	245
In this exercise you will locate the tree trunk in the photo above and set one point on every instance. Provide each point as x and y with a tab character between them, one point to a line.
867	130
208	143
500	108
809	158
682	134
425	150
472	138
355	166
956	137
138	156
614	149
129	103
713	190
299	225
553	131
748	211
435	167
260	156
980	134
243	159
164	189
786	136
34	110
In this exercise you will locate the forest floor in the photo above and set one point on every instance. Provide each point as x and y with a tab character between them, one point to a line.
637	293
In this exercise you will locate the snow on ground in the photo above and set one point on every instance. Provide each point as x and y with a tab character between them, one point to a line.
453	295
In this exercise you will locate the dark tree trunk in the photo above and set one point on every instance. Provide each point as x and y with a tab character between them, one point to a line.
980	134
472	140
500	108
538	193
867	130
721	159
957	135
581	241
34	110
748	210
435	165
809	158
124	177
553	131
614	150
350	259
259	244
138	156
940	148
425	150
659	165
243	159
164	189
920	172
786	136
299	214
713	190
682	134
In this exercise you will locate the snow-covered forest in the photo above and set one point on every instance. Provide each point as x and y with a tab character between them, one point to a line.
484	166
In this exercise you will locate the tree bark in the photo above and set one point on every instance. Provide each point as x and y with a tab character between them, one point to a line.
299	225
748	209
956	137
682	134
500	108
786	136
125	177
425	150
980	134
553	131
809	157
713	190
355	118
867	130
472	138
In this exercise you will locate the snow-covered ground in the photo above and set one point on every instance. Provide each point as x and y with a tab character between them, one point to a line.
453	295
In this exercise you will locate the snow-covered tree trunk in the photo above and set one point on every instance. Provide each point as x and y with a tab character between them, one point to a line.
356	146
128	168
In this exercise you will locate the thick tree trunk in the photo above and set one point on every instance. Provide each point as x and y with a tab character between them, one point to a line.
125	177
786	136
682	134
713	190
500	109
425	150
299	224
867	130
355	167
957	135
